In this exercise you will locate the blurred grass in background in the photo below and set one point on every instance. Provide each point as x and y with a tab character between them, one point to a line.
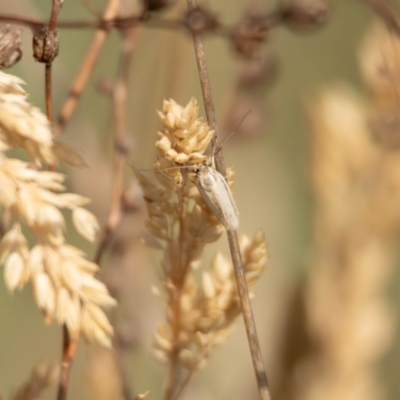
272	187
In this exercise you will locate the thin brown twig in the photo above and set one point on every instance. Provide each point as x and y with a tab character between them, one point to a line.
120	102
86	69
55	10
120	138
232	234
70	345
178	281
121	23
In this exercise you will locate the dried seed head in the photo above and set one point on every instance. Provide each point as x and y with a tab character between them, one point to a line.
63	284
156	5
45	45
200	20
304	15
250	34
10	46
184	137
199	315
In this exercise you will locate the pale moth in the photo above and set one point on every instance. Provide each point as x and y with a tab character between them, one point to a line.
216	192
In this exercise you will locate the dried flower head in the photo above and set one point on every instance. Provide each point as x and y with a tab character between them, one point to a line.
63	281
200	313
10	46
250	35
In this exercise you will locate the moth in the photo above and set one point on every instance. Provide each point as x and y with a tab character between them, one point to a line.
216	192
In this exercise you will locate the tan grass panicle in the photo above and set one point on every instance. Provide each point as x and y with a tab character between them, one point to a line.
63	280
201	308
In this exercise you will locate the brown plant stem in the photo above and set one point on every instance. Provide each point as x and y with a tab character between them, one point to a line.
107	24
120	102
178	281
70	345
120	96
86	69
55	10
237	261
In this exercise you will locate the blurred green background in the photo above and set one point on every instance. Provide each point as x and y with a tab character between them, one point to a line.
272	187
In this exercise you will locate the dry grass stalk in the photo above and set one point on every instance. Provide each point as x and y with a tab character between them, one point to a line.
355	158
199	314
348	317
43	376
63	281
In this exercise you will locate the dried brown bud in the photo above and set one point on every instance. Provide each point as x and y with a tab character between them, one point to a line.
155	5
45	45
10	46
250	34
304	15
200	20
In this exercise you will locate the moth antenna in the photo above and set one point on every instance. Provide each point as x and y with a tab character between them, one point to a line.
219	147
177	167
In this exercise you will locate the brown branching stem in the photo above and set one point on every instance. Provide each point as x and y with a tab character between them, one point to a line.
232	235
120	95
120	103
86	69
69	344
117	23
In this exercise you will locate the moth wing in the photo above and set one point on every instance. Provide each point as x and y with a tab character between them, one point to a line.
216	193
208	195
230	211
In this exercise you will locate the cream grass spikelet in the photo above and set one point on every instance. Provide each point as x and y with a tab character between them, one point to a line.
63	281
200	312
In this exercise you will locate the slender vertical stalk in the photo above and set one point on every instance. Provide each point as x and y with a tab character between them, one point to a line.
56	8
120	97
232	234
69	343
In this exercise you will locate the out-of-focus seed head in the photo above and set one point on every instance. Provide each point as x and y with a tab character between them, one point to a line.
10	46
200	20
156	5
304	15
45	45
250	34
